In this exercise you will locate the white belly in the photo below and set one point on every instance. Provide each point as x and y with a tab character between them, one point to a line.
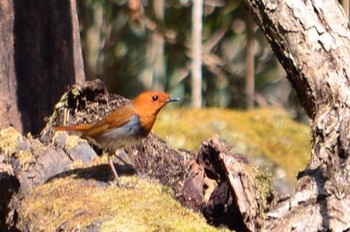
126	136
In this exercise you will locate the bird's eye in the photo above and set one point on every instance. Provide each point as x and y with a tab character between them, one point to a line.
155	98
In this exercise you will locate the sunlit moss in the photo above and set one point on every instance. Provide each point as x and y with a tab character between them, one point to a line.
264	190
9	140
269	133
12	143
72	141
144	205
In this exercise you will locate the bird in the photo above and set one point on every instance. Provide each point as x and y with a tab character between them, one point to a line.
125	126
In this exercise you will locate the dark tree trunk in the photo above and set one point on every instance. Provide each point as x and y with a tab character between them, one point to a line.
312	41
40	49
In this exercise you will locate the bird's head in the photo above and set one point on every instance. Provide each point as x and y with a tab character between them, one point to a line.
152	101
148	104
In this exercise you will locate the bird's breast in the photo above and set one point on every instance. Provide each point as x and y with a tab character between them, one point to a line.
125	136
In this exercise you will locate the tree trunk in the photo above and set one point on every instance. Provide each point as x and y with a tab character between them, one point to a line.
159	70
40	57
196	69
312	40
9	114
250	76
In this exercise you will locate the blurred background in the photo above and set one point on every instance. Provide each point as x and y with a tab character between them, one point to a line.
134	45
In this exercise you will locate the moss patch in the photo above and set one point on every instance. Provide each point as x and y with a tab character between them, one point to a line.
269	133
68	204
264	190
12	143
9	141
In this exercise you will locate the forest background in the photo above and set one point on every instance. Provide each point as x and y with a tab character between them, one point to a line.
136	45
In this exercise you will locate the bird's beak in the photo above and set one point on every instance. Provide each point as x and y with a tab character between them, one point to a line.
172	99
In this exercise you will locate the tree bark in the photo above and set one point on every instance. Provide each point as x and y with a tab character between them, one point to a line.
9	114
40	57
311	40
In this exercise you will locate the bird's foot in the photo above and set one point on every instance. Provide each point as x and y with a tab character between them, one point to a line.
116	182
121	185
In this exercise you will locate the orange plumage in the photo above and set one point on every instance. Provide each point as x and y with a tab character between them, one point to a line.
126	126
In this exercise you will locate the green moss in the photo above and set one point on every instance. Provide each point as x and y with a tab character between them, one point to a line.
13	143
142	206
269	133
264	189
9	141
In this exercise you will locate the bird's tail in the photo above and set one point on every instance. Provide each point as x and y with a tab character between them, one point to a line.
80	128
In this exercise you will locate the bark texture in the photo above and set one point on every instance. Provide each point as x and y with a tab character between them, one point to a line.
226	188
312	40
40	56
9	114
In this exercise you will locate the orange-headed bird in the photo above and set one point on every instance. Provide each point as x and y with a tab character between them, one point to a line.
125	126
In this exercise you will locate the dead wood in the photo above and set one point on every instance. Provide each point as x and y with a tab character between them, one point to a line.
226	188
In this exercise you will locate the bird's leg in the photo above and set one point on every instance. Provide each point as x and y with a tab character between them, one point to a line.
120	158
129	165
116	177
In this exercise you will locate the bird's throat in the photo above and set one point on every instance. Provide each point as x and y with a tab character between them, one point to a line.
147	121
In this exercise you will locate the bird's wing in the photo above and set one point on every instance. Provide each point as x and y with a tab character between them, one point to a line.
117	118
